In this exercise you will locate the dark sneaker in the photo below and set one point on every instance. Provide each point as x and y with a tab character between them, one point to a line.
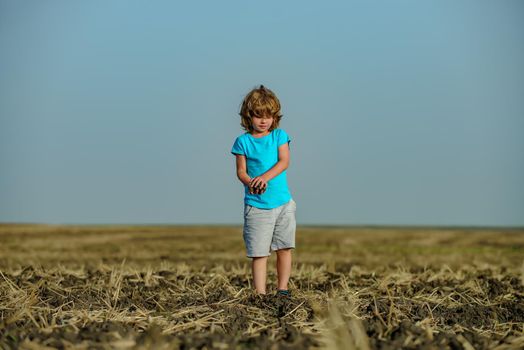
283	292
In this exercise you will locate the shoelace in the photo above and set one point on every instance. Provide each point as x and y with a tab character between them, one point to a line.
283	292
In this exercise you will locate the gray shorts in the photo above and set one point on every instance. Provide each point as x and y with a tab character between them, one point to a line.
267	230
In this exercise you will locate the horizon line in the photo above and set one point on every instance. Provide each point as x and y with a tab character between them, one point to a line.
328	226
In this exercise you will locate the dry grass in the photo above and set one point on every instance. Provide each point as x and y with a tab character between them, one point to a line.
189	287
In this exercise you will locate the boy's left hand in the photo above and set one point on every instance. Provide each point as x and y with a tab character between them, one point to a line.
258	185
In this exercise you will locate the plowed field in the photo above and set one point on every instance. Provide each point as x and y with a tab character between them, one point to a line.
174	287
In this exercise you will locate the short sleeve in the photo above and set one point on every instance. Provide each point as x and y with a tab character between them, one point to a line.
283	137
238	147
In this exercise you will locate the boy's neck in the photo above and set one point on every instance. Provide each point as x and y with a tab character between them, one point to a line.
255	134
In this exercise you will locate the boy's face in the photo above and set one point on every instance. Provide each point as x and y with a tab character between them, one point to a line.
262	124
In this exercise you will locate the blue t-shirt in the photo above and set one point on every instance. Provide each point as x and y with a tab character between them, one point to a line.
261	155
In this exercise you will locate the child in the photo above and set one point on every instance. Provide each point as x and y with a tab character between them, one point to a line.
262	157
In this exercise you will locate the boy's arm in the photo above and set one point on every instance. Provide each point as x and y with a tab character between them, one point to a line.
281	165
242	170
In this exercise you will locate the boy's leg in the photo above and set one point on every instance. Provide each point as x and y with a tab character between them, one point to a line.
284	241
259	266
283	267
258	230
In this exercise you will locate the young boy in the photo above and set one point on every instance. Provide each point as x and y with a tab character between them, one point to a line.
262	157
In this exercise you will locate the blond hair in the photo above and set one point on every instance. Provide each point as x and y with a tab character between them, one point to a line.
260	102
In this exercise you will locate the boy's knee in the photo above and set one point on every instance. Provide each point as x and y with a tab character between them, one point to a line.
259	257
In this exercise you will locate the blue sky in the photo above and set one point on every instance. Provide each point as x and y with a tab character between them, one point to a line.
400	112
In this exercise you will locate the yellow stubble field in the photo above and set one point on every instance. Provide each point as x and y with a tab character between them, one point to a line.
184	287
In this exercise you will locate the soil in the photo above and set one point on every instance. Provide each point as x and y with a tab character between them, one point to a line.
99	301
